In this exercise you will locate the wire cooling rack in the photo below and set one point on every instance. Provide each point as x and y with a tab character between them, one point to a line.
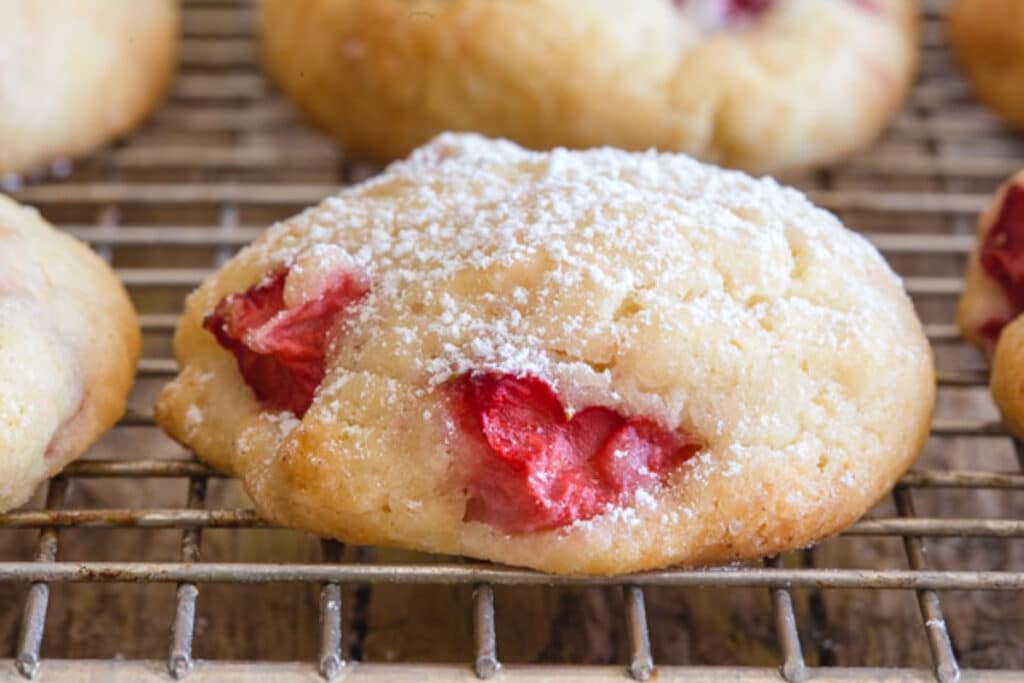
224	158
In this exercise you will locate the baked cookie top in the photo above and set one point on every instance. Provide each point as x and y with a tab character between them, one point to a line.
590	361
762	85
69	340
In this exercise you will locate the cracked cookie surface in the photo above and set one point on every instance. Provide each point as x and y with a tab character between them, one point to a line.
696	365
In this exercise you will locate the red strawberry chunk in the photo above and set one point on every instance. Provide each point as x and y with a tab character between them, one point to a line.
737	9
281	350
744	10
990	331
1002	255
869	5
531	467
732	10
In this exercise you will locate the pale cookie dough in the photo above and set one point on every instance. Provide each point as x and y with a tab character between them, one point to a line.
765	85
69	340
765	361
75	74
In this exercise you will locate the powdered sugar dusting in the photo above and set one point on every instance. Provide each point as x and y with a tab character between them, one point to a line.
484	255
193	419
708	300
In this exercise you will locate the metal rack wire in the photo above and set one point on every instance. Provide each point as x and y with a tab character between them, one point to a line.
225	157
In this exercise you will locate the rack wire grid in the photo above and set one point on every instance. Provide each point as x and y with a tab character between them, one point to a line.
225	157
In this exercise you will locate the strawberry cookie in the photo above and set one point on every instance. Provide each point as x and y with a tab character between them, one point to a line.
75	74
762	85
582	362
994	283
989	313
69	340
